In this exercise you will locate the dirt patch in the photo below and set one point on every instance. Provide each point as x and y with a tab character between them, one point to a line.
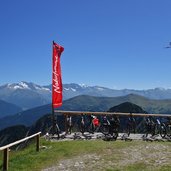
83	162
156	155
153	155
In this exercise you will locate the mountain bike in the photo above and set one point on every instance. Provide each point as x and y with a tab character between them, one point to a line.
105	126
160	128
166	128
69	124
111	127
114	127
155	127
131	125
149	126
82	125
94	125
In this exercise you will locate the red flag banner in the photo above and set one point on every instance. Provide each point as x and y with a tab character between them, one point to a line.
56	76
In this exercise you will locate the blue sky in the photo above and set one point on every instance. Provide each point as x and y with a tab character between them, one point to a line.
112	43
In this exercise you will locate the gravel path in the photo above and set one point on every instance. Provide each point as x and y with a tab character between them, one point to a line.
154	155
98	135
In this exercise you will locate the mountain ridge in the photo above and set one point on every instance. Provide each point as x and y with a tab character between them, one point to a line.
87	103
29	95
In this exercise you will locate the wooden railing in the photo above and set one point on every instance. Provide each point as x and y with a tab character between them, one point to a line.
110	113
74	113
6	148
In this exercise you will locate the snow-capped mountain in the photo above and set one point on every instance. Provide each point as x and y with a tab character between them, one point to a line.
29	95
25	95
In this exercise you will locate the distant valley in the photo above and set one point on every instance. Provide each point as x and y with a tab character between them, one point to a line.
87	103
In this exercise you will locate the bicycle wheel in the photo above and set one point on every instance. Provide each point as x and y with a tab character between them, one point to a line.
163	131
57	130
128	129
147	130
168	132
91	128
104	129
115	134
82	128
153	130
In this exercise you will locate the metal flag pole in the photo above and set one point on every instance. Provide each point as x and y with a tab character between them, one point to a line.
53	113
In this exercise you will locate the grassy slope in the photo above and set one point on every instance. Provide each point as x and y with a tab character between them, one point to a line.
94	155
90	103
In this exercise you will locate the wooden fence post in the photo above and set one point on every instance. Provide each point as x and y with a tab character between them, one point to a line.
6	148
5	159
37	142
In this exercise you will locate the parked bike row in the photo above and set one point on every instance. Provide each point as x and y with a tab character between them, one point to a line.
113	125
156	126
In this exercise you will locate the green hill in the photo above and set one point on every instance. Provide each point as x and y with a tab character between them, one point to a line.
91	103
127	107
11	134
87	103
8	109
